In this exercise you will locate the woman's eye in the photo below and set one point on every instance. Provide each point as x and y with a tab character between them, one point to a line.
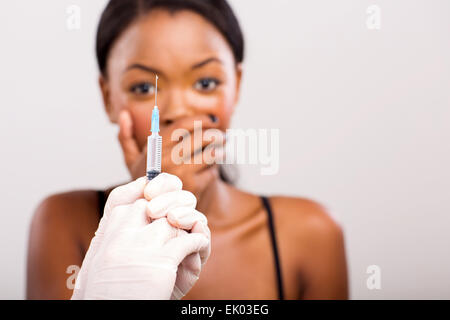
144	88
206	84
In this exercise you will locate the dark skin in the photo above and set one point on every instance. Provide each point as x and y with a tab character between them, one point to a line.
198	77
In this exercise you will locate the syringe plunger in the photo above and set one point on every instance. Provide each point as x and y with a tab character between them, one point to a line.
154	148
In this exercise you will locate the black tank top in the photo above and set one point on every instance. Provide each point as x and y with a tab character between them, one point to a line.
268	208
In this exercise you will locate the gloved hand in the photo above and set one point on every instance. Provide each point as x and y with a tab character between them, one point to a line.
122	195
167	199
130	258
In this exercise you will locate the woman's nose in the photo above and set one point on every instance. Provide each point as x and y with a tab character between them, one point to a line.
175	108
173	114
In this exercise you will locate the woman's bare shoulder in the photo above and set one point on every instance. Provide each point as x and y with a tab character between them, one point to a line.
313	241
73	210
305	219
295	216
60	231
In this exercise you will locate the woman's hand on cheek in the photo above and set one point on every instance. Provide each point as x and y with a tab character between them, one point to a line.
195	175
183	157
135	159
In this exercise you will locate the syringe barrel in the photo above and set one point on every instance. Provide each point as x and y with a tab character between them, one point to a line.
154	148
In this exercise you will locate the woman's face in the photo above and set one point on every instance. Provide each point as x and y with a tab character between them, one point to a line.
197	73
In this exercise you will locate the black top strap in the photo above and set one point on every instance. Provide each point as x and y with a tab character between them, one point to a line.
101	202
268	208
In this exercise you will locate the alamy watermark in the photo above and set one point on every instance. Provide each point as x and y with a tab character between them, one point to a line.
73	270
73	21
373	21
238	146
373	282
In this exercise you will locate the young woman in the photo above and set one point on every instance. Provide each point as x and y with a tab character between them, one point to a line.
261	248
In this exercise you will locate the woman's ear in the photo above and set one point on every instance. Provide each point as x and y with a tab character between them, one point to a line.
104	87
238	82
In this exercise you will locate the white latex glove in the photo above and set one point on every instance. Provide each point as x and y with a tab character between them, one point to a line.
130	258
122	195
167	199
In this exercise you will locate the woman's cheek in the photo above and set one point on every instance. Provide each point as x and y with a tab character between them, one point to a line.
141	125
140	115
204	101
217	104
118	102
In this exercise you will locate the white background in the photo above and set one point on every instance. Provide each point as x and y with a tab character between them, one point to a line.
363	118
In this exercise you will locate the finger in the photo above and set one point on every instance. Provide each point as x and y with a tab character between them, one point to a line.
188	273
201	227
162	183
126	138
139	164
214	154
196	143
185	217
159	206
158	232
170	134
126	194
137	216
183	169
128	216
193	263
193	149
201	160
182	246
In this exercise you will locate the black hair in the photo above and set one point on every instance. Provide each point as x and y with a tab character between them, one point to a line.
119	14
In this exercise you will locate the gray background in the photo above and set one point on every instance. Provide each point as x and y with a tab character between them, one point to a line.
363	118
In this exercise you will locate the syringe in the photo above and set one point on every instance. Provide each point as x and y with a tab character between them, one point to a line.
154	143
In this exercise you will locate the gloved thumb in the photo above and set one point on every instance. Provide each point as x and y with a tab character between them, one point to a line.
162	183
125	194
